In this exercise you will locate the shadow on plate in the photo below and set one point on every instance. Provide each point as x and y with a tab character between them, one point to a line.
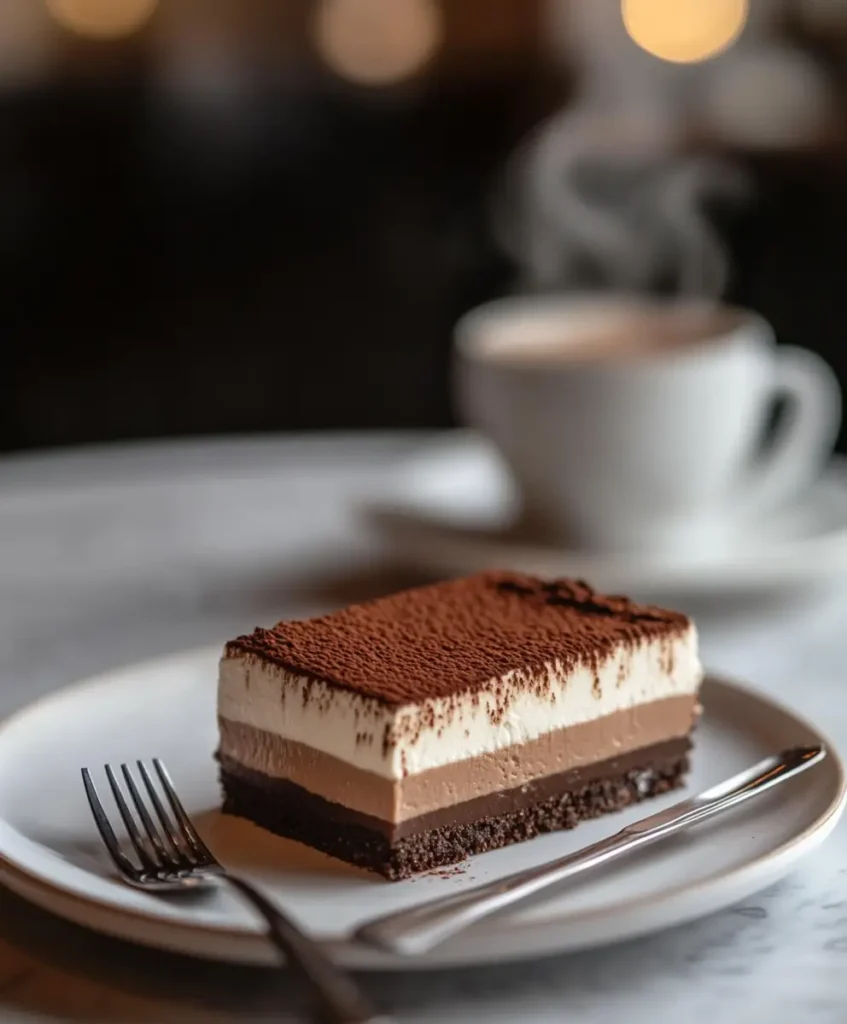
237	843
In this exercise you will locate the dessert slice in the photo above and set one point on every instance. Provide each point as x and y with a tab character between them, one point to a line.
409	732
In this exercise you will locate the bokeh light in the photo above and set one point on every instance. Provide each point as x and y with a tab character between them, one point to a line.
26	43
684	31
378	42
102	19
772	96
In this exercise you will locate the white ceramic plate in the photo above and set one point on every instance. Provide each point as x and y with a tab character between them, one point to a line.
50	852
451	510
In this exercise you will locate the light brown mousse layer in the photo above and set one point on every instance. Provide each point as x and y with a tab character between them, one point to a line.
395	801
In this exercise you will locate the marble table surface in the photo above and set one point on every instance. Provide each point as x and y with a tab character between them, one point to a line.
108	555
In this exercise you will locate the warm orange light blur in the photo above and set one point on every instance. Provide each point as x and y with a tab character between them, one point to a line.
378	42
684	31
102	19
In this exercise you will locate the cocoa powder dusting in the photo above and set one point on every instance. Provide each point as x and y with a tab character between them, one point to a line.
457	637
621	674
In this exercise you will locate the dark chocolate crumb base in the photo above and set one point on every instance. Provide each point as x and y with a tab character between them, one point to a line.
450	844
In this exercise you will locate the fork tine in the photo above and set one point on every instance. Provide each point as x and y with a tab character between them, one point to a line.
163	854
101	820
181	849
148	862
181	815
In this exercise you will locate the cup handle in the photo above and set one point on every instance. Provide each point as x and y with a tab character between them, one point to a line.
805	437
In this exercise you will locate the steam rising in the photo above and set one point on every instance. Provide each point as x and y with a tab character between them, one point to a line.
583	207
606	193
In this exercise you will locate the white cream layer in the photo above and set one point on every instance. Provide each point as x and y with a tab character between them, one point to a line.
352	728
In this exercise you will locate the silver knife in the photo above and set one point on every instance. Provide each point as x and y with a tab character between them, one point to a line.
419	929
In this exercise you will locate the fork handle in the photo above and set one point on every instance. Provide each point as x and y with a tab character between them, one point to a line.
340	998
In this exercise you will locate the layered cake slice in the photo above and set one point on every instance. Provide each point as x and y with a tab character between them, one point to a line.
409	732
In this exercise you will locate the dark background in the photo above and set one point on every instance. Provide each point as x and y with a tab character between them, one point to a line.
299	264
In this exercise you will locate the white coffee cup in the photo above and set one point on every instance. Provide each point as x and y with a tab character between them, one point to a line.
638	425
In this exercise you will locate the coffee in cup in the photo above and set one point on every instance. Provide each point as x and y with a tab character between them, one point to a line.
638	425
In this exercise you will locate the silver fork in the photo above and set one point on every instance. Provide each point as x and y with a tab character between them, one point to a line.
171	858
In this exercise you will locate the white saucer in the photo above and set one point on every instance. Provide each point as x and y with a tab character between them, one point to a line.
50	852
449	511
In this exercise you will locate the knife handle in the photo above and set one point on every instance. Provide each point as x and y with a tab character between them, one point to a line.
419	929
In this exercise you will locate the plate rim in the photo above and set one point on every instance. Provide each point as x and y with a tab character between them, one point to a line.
126	923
